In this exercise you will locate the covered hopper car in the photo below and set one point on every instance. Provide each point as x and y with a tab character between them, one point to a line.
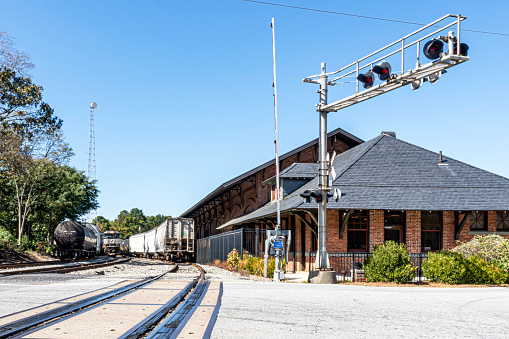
173	239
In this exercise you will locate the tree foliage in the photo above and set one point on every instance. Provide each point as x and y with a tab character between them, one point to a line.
37	188
11	58
129	223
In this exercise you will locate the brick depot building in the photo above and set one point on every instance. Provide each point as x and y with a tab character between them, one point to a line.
393	190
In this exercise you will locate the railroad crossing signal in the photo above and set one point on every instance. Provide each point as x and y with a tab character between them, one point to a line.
364	71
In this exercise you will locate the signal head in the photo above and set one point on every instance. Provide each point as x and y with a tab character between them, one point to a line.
306	195
317	195
463	49
367	79
383	70
432	49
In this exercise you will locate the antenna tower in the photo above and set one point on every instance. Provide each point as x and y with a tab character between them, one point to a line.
91	153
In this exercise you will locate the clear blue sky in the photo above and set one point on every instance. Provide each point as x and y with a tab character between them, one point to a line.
184	87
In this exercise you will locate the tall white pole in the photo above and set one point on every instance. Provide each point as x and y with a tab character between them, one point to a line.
275	121
278	226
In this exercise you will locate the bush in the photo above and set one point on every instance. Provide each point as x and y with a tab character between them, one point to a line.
7	240
493	248
454	268
253	265
233	260
482	271
390	262
445	267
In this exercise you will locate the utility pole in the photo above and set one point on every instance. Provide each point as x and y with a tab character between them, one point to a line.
322	258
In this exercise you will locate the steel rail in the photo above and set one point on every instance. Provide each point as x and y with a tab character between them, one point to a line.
30	264
66	268
142	328
51	315
168	326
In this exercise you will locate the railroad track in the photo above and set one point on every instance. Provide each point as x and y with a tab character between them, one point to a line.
164	321
30	264
60	267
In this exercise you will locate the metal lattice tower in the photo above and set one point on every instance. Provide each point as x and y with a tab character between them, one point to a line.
91	153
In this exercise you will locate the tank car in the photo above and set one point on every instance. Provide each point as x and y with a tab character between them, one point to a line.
77	240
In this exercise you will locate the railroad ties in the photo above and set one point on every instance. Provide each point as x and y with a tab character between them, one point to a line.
152	308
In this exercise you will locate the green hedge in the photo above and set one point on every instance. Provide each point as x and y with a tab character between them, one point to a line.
445	267
390	262
453	268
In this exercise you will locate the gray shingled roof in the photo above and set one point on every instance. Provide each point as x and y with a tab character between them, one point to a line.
391	174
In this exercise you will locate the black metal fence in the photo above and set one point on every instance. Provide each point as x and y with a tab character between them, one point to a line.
349	264
218	246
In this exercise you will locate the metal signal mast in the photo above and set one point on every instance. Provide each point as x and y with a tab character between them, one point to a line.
91	152
442	57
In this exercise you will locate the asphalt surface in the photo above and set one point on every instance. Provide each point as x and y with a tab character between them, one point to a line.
286	310
263	309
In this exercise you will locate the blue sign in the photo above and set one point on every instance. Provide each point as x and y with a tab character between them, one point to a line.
278	244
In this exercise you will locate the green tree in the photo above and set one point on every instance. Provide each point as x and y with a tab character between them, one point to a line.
63	193
134	222
25	161
103	223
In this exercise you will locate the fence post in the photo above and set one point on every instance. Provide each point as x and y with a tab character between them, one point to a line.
420	265
242	243
257	241
353	266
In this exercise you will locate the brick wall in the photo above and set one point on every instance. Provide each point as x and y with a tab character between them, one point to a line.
413	231
234	204
376	228
448	241
492	221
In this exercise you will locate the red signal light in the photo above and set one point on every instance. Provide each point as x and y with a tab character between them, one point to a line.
383	70
463	49
432	49
367	79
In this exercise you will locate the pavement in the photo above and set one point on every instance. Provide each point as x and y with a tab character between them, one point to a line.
293	309
252	309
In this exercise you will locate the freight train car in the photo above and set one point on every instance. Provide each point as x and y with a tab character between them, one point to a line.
77	240
112	244
137	245
173	239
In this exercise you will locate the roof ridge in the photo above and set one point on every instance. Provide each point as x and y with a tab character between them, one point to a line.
380	137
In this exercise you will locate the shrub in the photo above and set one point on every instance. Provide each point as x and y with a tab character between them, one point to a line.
454	268
233	260
390	262
491	247
7	240
253	265
445	267
482	271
